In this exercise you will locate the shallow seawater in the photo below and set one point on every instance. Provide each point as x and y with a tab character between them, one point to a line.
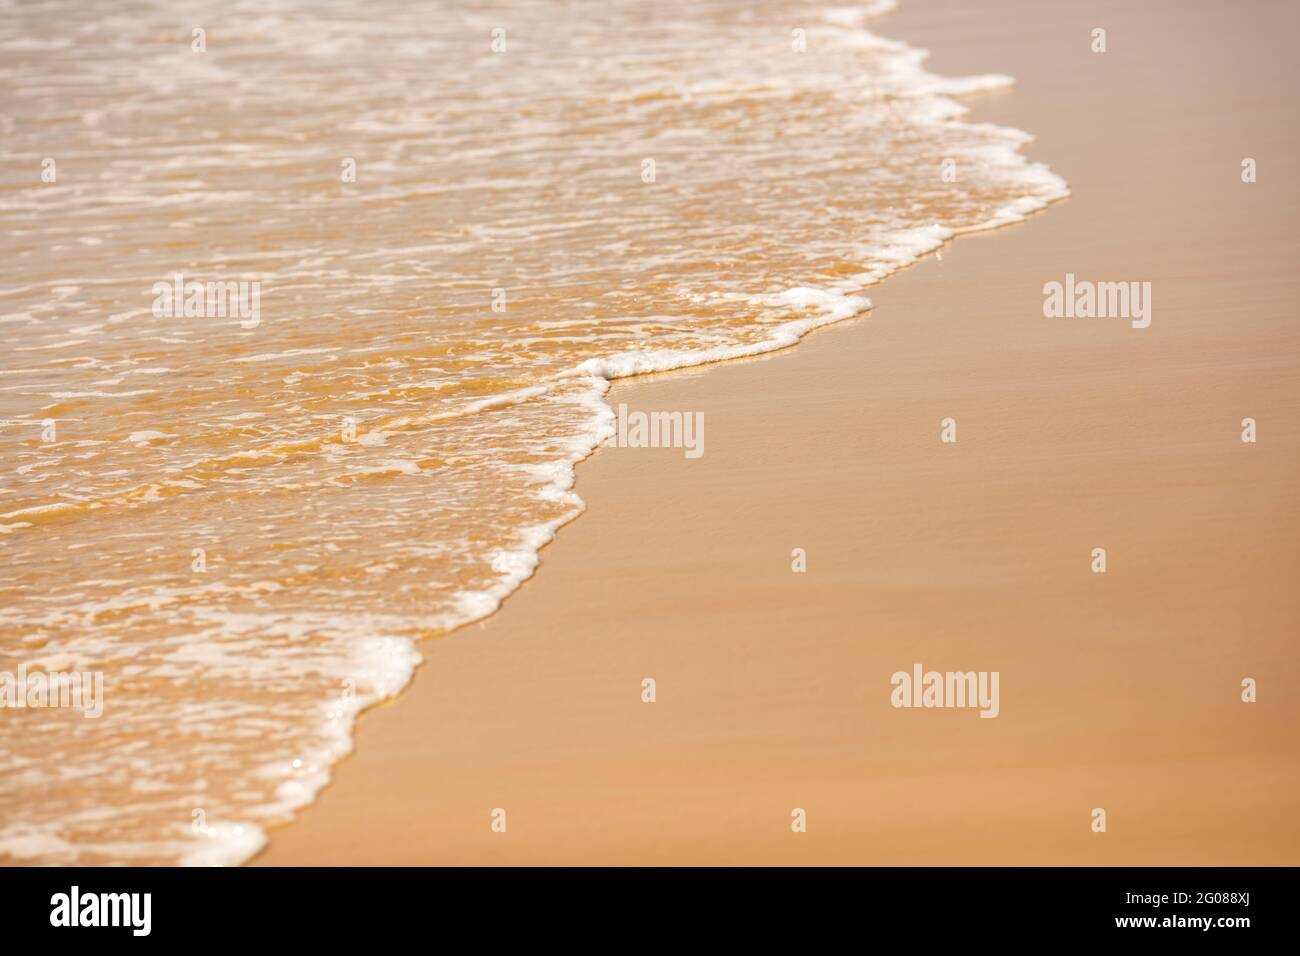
246	523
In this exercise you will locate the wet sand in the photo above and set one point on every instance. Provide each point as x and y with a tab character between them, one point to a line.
1119	691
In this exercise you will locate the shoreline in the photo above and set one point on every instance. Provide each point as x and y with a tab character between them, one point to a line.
551	725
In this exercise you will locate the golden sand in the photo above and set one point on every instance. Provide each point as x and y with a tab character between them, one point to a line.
1119	691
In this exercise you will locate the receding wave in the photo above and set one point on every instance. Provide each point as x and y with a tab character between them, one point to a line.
463	220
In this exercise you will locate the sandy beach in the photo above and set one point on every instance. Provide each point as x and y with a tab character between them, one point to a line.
1120	691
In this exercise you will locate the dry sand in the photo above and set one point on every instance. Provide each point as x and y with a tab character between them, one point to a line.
1119	691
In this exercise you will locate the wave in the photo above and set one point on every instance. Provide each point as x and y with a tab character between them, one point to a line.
252	549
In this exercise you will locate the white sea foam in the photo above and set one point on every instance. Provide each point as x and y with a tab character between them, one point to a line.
224	844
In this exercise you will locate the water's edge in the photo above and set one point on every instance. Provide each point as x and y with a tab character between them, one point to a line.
520	564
